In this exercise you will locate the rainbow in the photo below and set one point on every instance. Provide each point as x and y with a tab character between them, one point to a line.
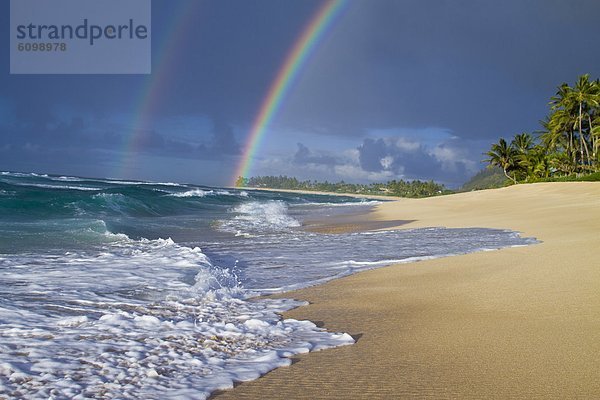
155	85
304	46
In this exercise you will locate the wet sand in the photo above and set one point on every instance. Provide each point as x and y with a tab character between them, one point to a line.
515	323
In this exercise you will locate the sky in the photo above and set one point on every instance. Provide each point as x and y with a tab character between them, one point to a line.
395	89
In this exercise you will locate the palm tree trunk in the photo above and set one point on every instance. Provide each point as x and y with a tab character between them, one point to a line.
582	141
587	152
508	176
593	140
572	151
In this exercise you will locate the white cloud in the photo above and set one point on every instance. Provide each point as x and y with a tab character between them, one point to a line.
355	173
450	157
386	162
442	158
407	144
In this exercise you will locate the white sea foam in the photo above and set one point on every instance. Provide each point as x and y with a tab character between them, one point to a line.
67	179
259	217
138	319
282	260
201	193
123	182
211	192
61	187
24	174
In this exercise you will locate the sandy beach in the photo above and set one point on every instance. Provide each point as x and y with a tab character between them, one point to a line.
520	322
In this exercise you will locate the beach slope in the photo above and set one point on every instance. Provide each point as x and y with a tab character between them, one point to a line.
515	323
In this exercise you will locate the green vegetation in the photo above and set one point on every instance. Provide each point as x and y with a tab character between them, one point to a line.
594	177
399	188
566	149
488	178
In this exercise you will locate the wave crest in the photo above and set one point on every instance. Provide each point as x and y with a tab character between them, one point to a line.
260	217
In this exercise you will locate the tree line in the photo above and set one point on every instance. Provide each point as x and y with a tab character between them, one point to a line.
567	145
399	188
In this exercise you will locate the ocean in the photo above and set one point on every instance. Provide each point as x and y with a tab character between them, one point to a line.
127	289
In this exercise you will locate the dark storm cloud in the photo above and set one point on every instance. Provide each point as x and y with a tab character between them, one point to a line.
74	137
479	68
305	156
371	152
448	160
223	140
218	62
411	160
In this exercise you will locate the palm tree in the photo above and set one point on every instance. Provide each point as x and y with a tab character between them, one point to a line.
241	181
562	122
550	140
594	121
504	156
561	163
522	143
585	95
569	142
595	132
536	163
574	109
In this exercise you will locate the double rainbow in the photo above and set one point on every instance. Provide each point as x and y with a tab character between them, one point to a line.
304	46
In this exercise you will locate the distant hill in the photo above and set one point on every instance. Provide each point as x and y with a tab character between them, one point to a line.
487	178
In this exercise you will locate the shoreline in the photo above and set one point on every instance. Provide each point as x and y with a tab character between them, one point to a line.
519	322
355	195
